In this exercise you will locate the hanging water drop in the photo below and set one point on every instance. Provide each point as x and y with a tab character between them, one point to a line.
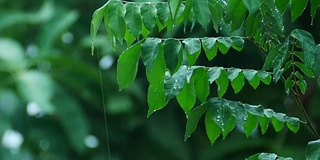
176	81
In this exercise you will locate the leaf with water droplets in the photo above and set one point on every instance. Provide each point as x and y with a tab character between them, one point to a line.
252	5
156	98
230	127
239	112
212	129
220	112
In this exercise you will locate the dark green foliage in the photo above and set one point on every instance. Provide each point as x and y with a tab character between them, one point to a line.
172	68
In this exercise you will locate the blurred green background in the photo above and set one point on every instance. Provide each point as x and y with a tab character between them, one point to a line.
51	102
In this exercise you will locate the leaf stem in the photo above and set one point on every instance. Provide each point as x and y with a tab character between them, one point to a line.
305	114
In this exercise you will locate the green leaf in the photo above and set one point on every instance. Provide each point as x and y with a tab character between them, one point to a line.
174	84
289	83
250	125
172	53
282	5
116	13
278	121
214	73
128	65
149	51
297	8
129	38
163	12
313	150
302	84
230	127
96	22
237	79
210	47
252	5
193	119
238	17
187	97
254	109
156	98
133	19
156	74
148	15
265	77
11	55
212	129
237	43
38	87
252	77
220	112
308	45
224	44
217	13
314	5
187	11
201	84
231	9
264	123
223	83
193	49
202	12
267	156
304	69
293	124
239	112
174	8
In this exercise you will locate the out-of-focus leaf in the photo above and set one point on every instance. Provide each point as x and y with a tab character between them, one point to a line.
316	66
72	119
11	53
53	29
128	65
252	5
297	8
314	6
313	150
282	5
38	87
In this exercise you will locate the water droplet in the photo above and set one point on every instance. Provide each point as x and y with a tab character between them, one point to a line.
218	120
218	116
179	87
176	81
174	87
